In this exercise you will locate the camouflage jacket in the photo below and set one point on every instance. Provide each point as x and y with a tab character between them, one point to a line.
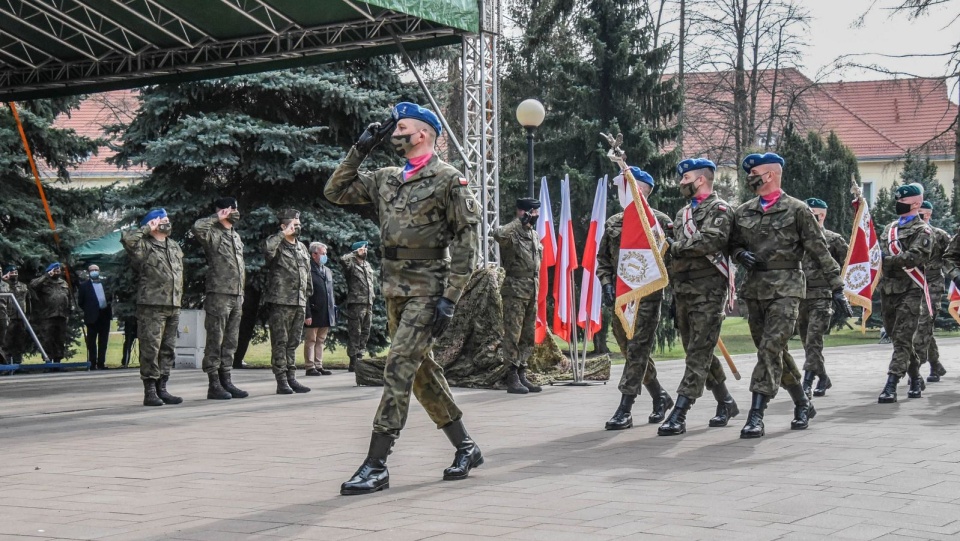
951	258
428	224
22	294
608	254
288	272
690	263
936	268
160	265
778	238
4	288
51	298
224	250
916	243
520	256
360	279
817	285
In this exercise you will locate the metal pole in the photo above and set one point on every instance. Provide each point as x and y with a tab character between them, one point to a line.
530	161
26	322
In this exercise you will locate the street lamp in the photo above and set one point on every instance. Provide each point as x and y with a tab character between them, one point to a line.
530	114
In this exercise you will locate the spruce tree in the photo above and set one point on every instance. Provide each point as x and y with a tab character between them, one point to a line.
921	170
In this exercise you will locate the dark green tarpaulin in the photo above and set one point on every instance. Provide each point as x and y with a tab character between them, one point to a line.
103	251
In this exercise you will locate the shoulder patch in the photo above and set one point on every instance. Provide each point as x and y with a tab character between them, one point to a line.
717	222
670	225
462	181
722	207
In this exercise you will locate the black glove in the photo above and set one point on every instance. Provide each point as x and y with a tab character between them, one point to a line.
373	135
609	294
841	304
442	315
747	260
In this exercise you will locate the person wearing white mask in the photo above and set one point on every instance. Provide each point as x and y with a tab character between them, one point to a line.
320	313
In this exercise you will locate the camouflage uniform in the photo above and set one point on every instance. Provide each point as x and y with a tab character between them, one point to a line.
778	237
360	291
816	309
49	314
428	230
900	297
4	319
638	367
288	286
700	292
520	255
17	340
924	343
160	289
224	299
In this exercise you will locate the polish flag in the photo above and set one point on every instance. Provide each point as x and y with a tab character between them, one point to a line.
953	297
861	271
590	284
563	319
549	242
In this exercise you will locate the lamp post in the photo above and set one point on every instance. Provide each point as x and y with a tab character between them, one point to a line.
530	114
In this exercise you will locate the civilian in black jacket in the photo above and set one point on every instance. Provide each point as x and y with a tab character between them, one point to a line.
94	300
320	311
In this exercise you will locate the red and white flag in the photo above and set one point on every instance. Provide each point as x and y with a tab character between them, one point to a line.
861	271
563	318
640	269
953	298
590	284
549	242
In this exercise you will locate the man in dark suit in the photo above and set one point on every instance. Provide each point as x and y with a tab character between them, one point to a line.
94	300
320	313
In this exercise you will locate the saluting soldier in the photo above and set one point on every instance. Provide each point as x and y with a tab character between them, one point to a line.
924	342
906	245
4	321
700	274
816	309
770	235
638	368
17	339
360	291
520	255
428	231
51	311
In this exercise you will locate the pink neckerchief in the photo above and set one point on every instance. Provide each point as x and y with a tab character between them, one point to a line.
697	199
770	200
415	164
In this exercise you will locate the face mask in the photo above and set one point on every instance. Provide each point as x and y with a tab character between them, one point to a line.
902	208
94	275
402	143
754	182
165	228
688	190
58	277
14	278
234	217
296	230
323	260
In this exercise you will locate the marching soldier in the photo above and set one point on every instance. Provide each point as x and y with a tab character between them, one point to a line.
906	245
520	255
700	273
158	261
289	285
638	368
428	230
770	235
223	303
924	342
360	292
816	309
51	310
17	339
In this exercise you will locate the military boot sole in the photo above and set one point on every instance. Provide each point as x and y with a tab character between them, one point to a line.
933	378
464	475
284	391
619	426
353	491
523	390
158	402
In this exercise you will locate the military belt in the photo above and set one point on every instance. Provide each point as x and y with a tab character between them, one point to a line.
817	283
528	274
779	265
689	276
400	253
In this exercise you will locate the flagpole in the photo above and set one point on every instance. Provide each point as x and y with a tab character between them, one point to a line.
574	358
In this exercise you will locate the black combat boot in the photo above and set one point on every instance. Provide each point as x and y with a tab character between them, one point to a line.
823	383
468	455
889	393
150	397
163	394
622	419
283	386
916	386
754	426
808	377
294	384
661	402
354	359
803	409
522	376
372	475
676	422
513	381
215	390
726	407
227	384
936	370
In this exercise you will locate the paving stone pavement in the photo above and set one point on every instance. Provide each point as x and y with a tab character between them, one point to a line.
83	460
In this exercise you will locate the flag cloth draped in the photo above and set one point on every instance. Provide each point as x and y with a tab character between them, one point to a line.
549	242
563	318
590	284
640	269
861	271
953	298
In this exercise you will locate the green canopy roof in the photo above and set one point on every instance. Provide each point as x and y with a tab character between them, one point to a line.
103	251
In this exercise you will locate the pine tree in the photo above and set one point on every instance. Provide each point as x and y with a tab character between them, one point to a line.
921	170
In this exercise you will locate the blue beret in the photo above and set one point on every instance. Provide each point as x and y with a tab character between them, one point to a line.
692	164
52	266
644	177
815	203
406	109
357	245
9	268
908	190
754	160
152	215
926	205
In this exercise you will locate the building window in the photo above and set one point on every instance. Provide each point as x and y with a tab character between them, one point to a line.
868	192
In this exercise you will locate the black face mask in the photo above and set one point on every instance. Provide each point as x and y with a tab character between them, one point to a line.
901	208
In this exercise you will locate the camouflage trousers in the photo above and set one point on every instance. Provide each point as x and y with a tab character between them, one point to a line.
223	330
17	340
699	318
772	322
286	331
52	334
814	322
901	318
924	343
410	367
157	333
359	317
638	367
519	325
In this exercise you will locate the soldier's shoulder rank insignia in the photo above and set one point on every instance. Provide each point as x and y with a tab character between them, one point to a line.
723	208
462	181
670	225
